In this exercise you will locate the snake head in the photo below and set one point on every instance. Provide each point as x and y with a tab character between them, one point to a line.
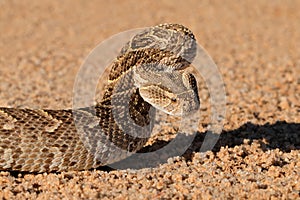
174	93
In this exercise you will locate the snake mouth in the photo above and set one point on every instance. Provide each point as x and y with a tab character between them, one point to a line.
181	105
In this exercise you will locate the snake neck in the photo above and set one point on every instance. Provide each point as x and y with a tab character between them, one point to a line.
137	107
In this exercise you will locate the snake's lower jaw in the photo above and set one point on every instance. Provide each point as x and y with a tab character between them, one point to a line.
177	109
183	110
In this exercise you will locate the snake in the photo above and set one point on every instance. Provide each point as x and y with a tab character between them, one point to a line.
149	73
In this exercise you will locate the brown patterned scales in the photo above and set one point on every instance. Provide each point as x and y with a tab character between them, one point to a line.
148	74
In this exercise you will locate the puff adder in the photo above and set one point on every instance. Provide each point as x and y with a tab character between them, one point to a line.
149	73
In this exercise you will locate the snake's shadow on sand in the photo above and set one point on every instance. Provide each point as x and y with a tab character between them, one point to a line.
282	135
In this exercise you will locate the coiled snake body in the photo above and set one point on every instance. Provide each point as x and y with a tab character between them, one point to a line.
148	74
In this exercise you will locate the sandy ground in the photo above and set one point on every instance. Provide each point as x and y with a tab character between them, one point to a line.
256	47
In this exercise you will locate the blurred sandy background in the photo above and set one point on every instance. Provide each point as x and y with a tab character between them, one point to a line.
256	46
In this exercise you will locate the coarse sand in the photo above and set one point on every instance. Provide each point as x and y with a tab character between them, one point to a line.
256	46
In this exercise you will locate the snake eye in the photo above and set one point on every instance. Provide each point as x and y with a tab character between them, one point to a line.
173	99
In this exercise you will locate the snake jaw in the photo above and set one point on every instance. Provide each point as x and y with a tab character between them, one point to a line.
161	99
182	104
